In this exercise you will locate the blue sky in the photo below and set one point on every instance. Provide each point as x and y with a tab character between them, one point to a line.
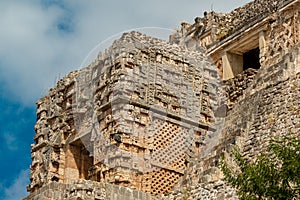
42	40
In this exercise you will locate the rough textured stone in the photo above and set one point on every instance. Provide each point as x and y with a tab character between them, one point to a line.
134	117
149	115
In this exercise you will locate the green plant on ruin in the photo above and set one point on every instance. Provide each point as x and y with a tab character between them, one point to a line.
273	175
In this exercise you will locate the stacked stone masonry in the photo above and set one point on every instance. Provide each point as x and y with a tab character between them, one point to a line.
235	87
156	117
87	190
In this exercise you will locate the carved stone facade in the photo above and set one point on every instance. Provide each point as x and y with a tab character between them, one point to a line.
156	116
134	117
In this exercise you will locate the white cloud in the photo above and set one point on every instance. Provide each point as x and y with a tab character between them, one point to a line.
17	190
29	47
10	142
41	42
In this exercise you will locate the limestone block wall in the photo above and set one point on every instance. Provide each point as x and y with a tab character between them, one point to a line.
87	190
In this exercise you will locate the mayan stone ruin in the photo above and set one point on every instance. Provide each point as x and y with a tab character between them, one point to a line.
150	119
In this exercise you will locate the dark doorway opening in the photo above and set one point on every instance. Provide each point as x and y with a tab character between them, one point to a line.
251	59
